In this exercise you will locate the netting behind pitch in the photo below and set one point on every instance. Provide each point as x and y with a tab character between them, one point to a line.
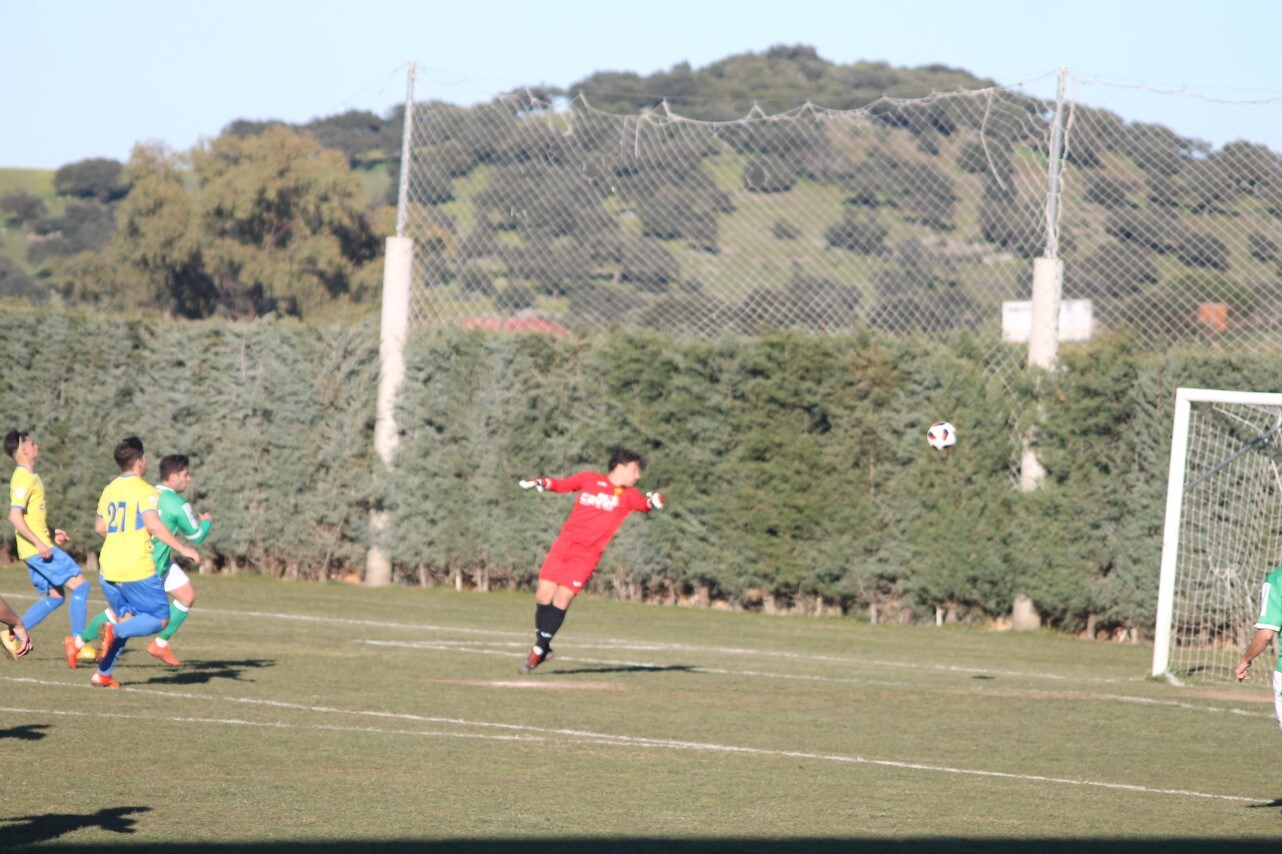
1230	536
907	216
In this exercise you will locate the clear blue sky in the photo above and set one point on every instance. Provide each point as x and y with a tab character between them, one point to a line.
89	78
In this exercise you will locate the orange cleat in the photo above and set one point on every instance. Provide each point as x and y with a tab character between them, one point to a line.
73	654
164	653
536	657
106	637
102	680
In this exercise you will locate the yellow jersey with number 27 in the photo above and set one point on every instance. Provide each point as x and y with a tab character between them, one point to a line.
126	552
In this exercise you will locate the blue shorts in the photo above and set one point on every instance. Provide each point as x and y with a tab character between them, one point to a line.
136	597
54	572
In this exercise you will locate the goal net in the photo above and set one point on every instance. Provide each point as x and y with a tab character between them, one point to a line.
1223	530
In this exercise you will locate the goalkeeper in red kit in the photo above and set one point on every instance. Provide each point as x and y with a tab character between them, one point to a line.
603	502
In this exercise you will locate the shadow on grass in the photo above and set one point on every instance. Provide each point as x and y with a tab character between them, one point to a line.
198	672
34	829
626	668
623	845
1275	804
25	732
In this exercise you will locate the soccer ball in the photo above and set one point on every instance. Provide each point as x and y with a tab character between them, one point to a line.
941	435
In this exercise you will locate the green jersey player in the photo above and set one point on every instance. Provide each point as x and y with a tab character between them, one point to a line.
1266	629
178	518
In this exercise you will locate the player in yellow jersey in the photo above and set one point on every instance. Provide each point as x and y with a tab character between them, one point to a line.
54	573
127	520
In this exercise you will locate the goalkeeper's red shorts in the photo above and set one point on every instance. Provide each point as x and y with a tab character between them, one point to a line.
569	564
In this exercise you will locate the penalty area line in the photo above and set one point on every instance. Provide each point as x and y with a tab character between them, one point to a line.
580	736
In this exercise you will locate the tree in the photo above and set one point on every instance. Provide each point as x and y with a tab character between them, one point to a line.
84	227
356	133
1263	247
20	207
1109	191
97	178
1197	249
266	222
14	282
1113	270
857	232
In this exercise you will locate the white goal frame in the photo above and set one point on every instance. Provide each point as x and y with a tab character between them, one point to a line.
1184	398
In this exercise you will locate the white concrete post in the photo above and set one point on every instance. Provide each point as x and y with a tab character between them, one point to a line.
397	266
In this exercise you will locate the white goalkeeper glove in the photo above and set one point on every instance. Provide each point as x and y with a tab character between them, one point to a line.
654	500
539	483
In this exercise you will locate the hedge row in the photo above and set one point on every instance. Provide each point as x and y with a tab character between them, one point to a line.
795	467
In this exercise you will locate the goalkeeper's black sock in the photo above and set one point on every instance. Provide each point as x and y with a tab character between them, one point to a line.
547	619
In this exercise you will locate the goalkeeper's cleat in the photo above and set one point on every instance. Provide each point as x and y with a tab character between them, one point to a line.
10	643
102	680
87	653
106	637
73	654
164	653
536	657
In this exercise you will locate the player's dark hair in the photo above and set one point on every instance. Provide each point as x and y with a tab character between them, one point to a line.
128	452
12	440
173	463
623	456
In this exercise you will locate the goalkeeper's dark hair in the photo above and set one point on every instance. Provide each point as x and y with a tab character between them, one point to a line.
12	440
172	464
128	452
623	456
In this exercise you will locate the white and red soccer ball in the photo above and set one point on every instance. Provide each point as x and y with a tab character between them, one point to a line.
941	436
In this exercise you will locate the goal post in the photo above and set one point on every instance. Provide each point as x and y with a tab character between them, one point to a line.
1222	531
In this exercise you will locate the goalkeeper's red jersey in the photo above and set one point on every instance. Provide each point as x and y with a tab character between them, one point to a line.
598	511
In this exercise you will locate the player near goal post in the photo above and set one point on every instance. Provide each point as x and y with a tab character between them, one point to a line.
1266	629
604	501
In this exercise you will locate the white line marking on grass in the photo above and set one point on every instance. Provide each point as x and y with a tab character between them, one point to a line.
373	730
996	691
580	736
470	646
651	646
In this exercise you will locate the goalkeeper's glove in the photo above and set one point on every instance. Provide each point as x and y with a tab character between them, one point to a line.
654	500
539	483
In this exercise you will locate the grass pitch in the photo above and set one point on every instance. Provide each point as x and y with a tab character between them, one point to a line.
325	717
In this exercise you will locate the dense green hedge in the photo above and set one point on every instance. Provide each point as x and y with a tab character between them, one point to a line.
796	467
276	417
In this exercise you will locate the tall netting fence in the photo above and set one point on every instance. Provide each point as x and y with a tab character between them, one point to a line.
906	216
1166	233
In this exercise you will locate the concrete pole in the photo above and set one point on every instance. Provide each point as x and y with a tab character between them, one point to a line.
397	267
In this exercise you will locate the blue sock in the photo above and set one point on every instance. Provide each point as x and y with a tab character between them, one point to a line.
40	610
138	625
79	608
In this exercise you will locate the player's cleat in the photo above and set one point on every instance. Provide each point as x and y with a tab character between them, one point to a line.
106	637
87	653
164	653
102	680
73	654
10	643
535	658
